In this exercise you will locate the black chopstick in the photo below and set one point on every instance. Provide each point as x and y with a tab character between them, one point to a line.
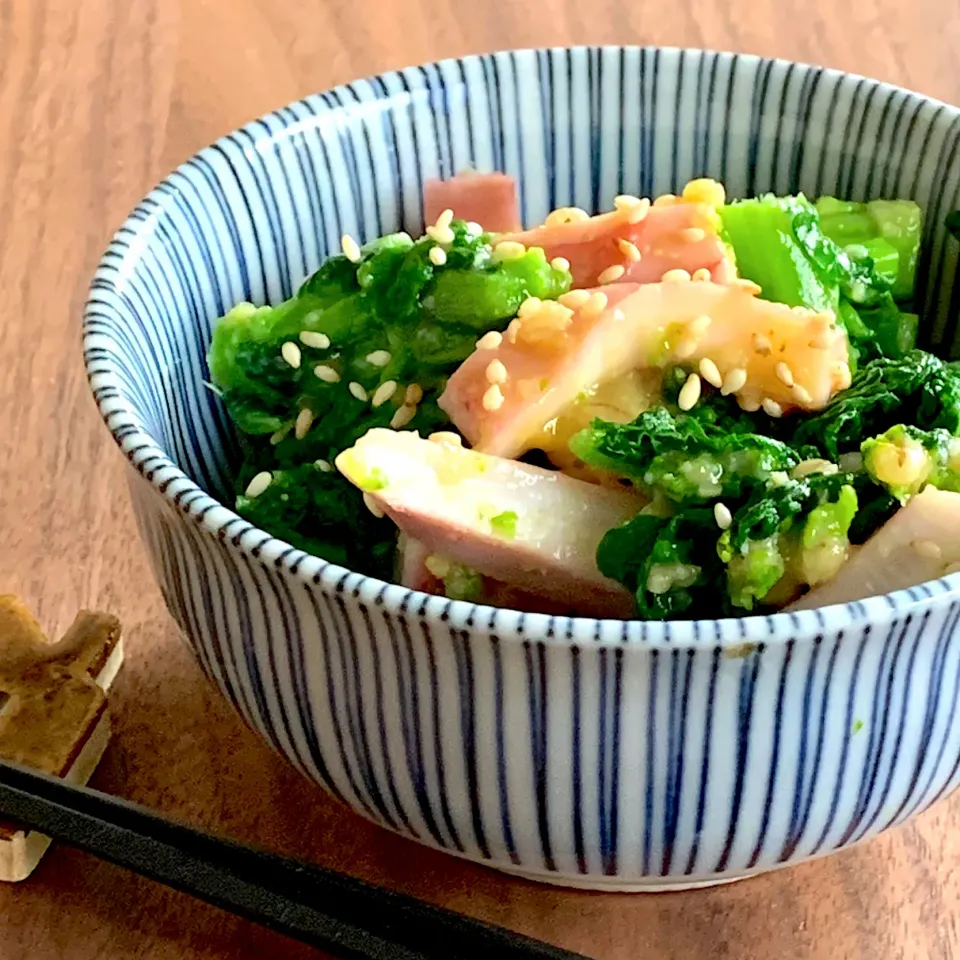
346	917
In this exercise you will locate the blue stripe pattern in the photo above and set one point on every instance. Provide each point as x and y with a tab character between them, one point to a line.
599	753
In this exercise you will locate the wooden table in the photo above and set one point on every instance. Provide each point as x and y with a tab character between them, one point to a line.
98	99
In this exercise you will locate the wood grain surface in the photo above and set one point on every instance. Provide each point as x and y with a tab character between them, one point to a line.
98	98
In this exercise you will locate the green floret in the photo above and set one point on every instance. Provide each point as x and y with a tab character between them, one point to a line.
462	583
918	388
356	336
905	459
754	571
796	529
504	524
825	538
686	457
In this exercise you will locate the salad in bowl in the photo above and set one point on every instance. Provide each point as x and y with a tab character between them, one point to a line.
682	407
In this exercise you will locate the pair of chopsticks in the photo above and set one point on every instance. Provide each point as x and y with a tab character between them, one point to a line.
346	917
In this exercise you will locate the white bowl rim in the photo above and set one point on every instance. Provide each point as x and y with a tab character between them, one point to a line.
736	634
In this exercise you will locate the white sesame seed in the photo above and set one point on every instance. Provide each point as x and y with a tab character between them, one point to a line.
350	247
530	306
689	393
626	201
710	372
437	256
509	250
574	300
490	340
735	380
258	484
629	249
564	215
357	390
693	234
474	228
636	212
440	234
384	392
373	506
280	435
686	347
311	338
403	416
612	273
801	395
677	275
702	275
595	305
414	394
325	373
723	516
447	437
379	358
493	398
445	218
304	423
784	374
324	466
762	344
496	372
749	404
560	263
928	549
291	353
814	465
771	407
748	285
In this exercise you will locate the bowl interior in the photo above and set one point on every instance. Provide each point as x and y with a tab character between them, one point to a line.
250	216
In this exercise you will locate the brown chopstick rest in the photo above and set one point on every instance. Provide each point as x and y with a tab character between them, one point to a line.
53	709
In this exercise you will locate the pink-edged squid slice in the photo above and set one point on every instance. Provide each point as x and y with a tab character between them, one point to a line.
535	530
489	199
767	354
680	236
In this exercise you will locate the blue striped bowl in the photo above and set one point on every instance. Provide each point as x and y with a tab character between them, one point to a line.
592	753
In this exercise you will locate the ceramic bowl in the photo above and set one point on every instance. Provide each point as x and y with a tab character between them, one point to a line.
604	754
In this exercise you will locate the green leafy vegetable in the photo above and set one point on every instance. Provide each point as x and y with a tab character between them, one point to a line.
312	508
769	253
780	243
688	458
797	528
895	223
669	562
918	388
364	345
